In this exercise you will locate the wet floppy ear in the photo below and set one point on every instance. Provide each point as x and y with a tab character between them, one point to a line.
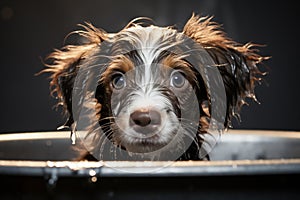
63	66
237	64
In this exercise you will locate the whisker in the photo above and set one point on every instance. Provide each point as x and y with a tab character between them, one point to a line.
106	118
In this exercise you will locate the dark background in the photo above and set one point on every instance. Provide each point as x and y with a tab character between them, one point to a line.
30	30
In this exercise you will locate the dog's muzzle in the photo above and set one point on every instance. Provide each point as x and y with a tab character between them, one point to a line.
145	121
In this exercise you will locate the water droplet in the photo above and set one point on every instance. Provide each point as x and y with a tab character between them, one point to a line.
94	179
53	178
73	137
92	172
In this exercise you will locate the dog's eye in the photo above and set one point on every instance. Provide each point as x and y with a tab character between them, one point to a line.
118	81
177	79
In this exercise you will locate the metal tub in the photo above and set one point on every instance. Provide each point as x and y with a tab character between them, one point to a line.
245	164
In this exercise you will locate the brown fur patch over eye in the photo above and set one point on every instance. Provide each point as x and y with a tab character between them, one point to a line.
120	63
178	63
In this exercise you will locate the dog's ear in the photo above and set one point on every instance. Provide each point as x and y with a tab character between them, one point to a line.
237	64
63	65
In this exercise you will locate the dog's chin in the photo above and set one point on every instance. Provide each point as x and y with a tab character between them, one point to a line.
133	143
144	146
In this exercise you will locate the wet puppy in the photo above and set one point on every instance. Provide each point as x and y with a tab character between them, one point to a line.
153	93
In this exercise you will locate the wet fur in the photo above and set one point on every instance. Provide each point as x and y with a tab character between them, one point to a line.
237	64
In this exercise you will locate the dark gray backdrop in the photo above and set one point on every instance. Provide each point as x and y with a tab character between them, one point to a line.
30	29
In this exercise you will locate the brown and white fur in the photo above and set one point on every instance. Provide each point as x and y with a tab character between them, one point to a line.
143	87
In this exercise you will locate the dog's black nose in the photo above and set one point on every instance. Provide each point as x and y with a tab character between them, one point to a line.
145	121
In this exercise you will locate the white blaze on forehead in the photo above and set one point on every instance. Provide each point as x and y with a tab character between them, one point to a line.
149	43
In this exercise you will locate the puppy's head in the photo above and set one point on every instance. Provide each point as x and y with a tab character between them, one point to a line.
154	91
